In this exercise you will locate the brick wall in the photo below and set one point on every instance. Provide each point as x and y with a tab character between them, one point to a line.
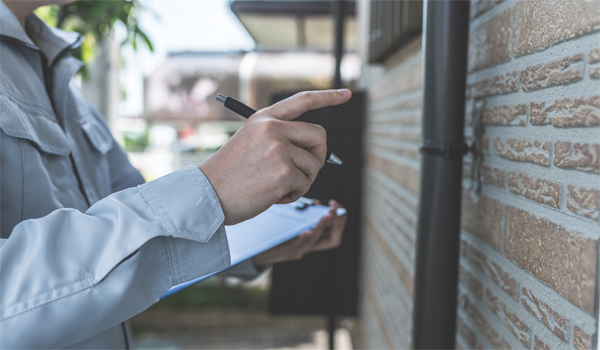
530	237
529	260
391	191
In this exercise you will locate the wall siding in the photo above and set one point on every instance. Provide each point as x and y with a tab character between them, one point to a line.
392	135
529	243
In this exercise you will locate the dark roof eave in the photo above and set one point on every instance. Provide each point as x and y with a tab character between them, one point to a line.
289	7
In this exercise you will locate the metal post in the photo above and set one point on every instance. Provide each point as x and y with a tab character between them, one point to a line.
338	50
331	331
338	16
446	29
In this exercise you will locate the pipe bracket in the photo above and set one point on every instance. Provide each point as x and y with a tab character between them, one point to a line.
443	149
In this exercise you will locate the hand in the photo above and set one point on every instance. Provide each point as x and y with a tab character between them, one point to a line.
326	235
271	159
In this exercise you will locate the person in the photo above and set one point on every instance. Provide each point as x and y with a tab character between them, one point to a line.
85	243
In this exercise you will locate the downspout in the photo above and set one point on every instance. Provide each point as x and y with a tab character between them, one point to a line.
445	43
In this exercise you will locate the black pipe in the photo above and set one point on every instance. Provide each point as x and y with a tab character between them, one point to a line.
446	30
338	50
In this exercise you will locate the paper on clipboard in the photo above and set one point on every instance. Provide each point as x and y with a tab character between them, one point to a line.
279	223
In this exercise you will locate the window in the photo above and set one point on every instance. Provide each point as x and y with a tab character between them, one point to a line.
393	24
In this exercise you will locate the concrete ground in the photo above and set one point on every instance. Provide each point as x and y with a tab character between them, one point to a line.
231	330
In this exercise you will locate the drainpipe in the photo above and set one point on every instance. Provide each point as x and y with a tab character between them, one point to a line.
445	42
338	48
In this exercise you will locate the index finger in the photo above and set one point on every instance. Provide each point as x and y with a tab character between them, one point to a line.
292	107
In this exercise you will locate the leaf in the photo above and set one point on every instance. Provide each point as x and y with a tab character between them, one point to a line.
146	39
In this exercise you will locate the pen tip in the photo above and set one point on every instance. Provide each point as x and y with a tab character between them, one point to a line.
221	98
333	159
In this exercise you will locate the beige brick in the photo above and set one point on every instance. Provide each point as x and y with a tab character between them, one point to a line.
595	55
502	278
595	72
537	113
472	283
485	143
490	42
403	273
583	201
407	177
514	324
524	150
483	219
397	134
581	156
545	313
496	85
484	325
537	24
584	111
539	344
581	339
405	80
561	71
505	115
565	260
539	190
467	333
493	176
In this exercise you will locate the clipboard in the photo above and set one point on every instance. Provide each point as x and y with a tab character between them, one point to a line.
279	223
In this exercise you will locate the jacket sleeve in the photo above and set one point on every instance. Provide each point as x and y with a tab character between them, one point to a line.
70	275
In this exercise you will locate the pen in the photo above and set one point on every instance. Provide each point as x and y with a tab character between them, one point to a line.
245	111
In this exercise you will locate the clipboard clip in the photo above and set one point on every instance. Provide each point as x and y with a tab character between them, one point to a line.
303	203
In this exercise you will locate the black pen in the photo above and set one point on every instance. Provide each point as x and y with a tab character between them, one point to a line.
245	111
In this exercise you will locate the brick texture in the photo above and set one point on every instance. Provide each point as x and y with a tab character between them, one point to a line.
467	334
490	42
405	80
537	24
581	339
483	219
556	322
406	176
595	55
472	283
514	324
484	325
543	191
565	260
584	111
580	156
539	344
565	70
505	115
502	278
583	201
496	85
524	150
493	176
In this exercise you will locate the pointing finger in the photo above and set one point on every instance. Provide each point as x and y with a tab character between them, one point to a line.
292	107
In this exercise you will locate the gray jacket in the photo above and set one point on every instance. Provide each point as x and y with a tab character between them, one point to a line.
82	248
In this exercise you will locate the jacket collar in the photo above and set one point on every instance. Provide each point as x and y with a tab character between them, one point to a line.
52	42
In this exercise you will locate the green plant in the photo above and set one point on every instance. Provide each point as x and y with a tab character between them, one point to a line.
94	20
